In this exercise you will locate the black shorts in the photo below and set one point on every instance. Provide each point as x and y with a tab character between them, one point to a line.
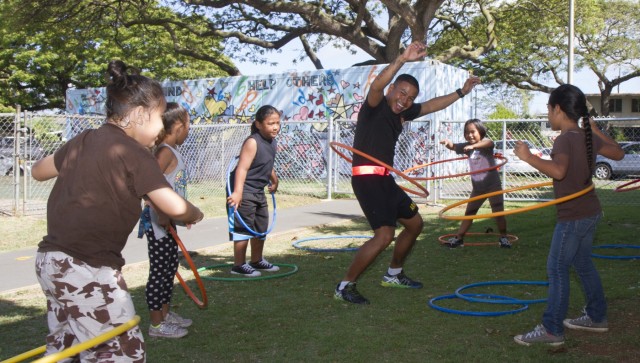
254	211
382	200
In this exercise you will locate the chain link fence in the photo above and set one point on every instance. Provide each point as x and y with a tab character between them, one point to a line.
307	166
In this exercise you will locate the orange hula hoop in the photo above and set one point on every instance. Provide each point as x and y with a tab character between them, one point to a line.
443	239
423	191
512	211
497	156
621	188
201	303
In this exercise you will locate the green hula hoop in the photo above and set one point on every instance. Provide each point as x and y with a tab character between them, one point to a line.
294	269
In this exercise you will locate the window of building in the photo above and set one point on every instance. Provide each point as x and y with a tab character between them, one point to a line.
615	105
635	105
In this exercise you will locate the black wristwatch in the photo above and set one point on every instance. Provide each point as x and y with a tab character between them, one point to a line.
459	92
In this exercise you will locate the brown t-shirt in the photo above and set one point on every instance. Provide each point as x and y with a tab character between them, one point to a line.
95	201
578	177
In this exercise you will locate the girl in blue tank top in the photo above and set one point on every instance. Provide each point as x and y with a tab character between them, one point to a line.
252	174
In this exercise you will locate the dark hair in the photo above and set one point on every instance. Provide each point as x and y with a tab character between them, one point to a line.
174	113
262	113
127	89
574	104
482	129
409	79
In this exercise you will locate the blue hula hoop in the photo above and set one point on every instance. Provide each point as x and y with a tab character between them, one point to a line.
501	300
616	257
297	244
235	211
477	313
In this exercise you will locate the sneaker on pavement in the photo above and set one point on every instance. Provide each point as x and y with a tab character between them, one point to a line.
504	242
245	270
350	294
175	319
585	323
539	335
400	280
167	330
264	265
454	242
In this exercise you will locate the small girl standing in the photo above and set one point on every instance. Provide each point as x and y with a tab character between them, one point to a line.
571	167
253	172
102	176
479	149
163	249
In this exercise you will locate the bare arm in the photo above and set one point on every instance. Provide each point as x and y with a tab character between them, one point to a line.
447	143
44	169
442	102
610	147
173	205
166	160
482	144
274	182
414	51
555	168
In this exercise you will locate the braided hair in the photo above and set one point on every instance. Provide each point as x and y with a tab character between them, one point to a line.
574	104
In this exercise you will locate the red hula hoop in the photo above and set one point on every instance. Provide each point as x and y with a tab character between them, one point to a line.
443	239
423	193
621	188
201	303
497	166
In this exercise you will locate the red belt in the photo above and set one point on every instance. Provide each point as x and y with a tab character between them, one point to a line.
369	170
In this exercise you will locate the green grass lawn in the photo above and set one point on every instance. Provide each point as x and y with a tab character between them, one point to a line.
295	318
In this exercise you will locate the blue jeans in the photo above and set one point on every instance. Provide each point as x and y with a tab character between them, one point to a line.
571	246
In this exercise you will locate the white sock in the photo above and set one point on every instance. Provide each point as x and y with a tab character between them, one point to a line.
394	271
343	284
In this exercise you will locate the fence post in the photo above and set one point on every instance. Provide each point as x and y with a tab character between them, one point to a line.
16	160
329	158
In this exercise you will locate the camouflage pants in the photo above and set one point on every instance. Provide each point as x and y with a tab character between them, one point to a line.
84	302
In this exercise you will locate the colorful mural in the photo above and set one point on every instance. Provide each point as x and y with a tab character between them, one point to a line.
301	96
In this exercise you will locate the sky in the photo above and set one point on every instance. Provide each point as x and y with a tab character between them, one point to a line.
336	59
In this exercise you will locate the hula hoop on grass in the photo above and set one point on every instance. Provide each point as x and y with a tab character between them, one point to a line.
476	313
623	187
497	156
443	239
235	211
471	298
200	303
297	244
77	348
26	355
616	257
512	211
294	269
423	193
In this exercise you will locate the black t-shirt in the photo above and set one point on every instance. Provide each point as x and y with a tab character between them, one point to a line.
377	131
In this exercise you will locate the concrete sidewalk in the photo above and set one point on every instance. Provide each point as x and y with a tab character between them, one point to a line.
17	267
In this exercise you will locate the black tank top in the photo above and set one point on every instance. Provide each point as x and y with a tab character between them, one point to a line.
260	170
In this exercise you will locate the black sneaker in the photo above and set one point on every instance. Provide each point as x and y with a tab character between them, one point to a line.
455	242
350	294
400	280
504	242
264	265
245	270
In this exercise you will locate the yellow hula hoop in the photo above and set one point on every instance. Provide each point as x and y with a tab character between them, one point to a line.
77	348
26	355
512	211
423	193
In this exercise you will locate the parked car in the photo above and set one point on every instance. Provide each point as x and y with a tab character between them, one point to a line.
515	165
629	165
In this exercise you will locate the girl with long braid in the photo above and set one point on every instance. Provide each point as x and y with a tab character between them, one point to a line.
571	167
